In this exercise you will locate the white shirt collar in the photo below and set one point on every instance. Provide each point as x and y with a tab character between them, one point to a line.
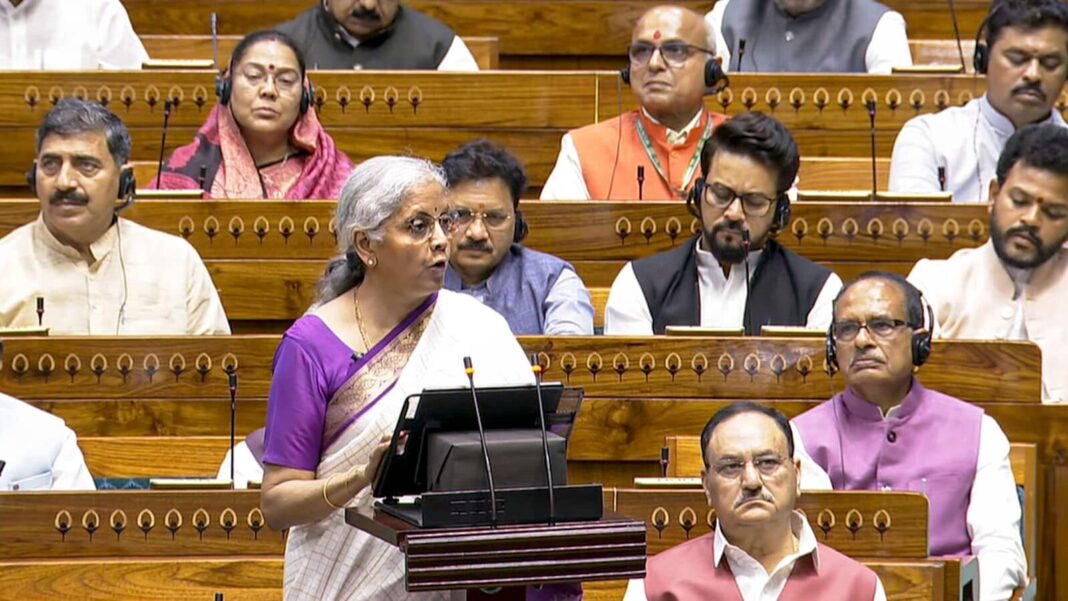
708	264
740	561
100	249
1000	123
676	138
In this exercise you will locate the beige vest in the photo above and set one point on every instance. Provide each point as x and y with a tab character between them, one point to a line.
971	293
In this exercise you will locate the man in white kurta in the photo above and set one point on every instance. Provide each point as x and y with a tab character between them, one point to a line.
957	149
91	272
38	450
66	35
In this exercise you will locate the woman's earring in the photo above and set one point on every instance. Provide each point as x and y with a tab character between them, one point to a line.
371	262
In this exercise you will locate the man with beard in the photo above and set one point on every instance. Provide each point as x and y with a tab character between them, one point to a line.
1013	287
1025	60
810	36
762	549
536	293
747	167
81	270
376	34
885	431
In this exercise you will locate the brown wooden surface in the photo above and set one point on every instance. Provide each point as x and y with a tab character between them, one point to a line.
238	578
485	50
534	27
943	52
155	456
528	111
32	522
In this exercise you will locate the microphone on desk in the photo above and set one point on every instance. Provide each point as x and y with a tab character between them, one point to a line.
202	177
956	35
163	141
874	176
942	179
535	365
740	53
641	180
218	597
663	462
233	424
470	371
746	318
40	311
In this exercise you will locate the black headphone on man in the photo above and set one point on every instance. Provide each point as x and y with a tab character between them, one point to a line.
782	205
981	56
715	78
921	338
521	228
224	88
127	185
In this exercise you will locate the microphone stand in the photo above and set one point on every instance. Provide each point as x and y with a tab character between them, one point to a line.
956	34
470	371
874	177
641	180
233	425
40	311
536	366
163	141
741	53
747	320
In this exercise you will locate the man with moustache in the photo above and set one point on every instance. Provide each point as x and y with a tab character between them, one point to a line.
1025	59
376	34
673	65
747	167
92	272
536	293
885	431
1013	287
762	549
810	36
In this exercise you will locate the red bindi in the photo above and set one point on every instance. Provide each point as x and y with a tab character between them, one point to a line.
657	35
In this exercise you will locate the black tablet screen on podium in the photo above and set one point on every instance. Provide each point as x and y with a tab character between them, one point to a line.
403	469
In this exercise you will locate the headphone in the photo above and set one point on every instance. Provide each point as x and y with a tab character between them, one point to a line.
921	342
782	205
981	57
127	186
521	228
715	78
224	88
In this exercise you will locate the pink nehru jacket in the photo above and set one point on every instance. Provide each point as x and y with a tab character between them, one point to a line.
688	572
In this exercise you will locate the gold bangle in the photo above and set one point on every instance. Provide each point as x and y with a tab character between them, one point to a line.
326	497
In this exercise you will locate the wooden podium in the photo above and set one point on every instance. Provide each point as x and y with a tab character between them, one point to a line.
612	548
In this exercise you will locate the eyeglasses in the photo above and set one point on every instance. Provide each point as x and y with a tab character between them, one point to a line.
492	219
721	197
421	226
674	53
847	330
285	80
732	470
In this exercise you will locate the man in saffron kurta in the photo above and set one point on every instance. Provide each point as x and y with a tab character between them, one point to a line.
887	432
669	55
761	550
1022	270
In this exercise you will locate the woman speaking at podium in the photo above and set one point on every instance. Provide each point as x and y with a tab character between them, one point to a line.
382	329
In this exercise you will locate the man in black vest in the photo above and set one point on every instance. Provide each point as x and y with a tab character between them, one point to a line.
376	34
747	167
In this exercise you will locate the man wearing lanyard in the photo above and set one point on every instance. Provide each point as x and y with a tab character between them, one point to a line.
651	153
732	274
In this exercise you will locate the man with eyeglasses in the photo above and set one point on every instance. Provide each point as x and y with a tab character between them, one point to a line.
536	293
1021	273
747	167
650	153
762	549
810	36
885	431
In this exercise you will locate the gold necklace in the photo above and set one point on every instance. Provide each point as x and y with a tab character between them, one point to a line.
359	319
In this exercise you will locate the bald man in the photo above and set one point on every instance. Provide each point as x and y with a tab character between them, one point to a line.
673	66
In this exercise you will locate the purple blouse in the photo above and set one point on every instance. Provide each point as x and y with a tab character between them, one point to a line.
310	366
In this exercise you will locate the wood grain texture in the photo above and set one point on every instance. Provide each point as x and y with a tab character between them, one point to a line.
155	456
239	579
156	417
57	525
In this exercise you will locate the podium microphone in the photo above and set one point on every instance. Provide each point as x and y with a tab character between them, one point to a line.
740	53
747	321
536	366
470	371
233	424
40	311
956	34
664	451
942	179
641	180
874	178
163	141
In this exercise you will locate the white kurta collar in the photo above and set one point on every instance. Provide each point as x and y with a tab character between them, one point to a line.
806	544
100	249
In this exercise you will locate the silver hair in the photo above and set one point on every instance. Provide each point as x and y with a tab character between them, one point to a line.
374	192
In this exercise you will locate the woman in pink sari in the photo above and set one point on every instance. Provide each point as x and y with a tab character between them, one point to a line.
383	329
262	139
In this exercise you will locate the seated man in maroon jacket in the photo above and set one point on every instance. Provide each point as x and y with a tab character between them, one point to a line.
761	548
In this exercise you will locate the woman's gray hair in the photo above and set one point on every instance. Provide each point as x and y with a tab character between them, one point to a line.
374	192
